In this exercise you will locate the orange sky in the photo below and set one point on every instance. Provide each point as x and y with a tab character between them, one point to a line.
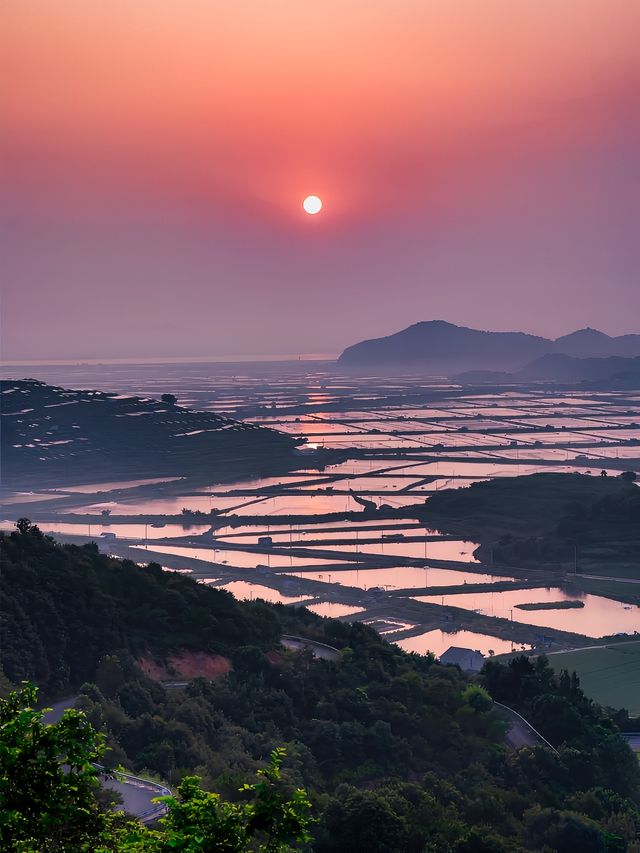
238	109
269	96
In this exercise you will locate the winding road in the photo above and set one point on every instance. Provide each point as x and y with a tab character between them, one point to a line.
137	794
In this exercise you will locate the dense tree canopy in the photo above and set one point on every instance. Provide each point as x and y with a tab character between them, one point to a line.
397	752
48	802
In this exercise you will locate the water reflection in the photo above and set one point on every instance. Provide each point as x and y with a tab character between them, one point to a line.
249	591
403	577
438	642
599	617
333	609
241	559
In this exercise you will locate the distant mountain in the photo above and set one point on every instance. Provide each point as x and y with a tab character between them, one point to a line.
445	347
590	343
556	367
566	368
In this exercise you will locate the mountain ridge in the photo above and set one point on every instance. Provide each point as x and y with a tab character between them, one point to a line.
447	346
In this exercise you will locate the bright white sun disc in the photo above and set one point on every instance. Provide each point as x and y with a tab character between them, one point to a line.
312	204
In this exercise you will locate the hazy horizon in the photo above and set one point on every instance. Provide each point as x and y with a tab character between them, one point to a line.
476	165
232	357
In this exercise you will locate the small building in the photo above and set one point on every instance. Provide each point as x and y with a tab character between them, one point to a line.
265	541
467	659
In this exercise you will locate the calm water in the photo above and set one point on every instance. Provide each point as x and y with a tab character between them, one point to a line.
250	591
400	577
598	618
334	609
456	440
242	559
438	642
124	531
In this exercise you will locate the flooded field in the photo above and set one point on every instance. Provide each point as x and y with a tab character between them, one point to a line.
401	577
400	439
598	617
334	609
242	559
452	550
251	591
437	642
126	531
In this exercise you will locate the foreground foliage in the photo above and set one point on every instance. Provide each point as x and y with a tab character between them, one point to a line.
48	802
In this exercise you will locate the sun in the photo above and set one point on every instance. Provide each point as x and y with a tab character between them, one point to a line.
312	205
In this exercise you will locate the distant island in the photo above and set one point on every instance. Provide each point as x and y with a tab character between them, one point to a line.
612	372
445	347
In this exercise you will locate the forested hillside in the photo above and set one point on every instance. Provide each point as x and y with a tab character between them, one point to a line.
397	752
548	519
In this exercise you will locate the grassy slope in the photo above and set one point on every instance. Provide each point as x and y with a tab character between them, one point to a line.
609	674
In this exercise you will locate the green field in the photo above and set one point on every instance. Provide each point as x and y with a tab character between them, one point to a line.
608	674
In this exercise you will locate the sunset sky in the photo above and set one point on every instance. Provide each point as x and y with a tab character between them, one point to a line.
477	162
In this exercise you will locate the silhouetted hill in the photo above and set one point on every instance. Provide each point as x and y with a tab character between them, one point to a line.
52	434
566	368
590	343
444	347
556	367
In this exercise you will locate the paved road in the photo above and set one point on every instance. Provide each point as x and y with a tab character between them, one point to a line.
137	794
633	739
318	650
613	645
603	578
58	709
521	732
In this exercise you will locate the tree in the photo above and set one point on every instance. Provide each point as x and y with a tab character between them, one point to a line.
629	476
24	526
49	797
477	698
110	675
135	699
365	820
42	806
169	399
566	832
